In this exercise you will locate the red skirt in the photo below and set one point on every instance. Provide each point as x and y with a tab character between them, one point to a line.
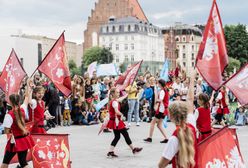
21	144
38	130
166	112
112	125
224	110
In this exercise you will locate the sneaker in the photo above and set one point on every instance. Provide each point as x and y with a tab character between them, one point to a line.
112	154
137	124
129	125
137	150
148	140
106	131
164	141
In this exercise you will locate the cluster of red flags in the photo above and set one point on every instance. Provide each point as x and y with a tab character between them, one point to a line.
212	59
54	66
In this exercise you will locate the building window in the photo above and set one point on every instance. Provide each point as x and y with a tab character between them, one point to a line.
126	46
117	59
117	47
184	64
193	56
110	46
184	55
132	46
119	28
192	38
107	29
193	47
177	39
184	39
129	28
126	58
145	29
132	58
113	29
193	64
184	47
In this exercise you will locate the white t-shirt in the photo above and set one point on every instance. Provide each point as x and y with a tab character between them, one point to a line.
177	86
8	121
161	97
191	119
171	148
25	108
219	97
115	104
33	104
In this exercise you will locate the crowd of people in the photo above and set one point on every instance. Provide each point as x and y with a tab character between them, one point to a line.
186	101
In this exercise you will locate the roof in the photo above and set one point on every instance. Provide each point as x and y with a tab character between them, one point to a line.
137	10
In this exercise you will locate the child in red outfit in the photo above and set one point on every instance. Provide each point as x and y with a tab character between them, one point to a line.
116	123
20	141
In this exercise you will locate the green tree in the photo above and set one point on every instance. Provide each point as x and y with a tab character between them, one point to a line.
233	64
101	55
73	68
237	42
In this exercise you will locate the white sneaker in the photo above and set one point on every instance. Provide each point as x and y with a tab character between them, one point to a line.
137	124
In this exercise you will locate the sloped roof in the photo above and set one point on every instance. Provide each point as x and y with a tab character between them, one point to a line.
137	10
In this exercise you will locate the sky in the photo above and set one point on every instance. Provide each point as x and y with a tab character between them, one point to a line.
50	17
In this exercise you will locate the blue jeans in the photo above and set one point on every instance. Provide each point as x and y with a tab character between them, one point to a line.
133	105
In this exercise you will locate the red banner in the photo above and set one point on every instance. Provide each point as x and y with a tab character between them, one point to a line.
55	66
220	150
12	75
51	150
212	57
238	84
128	77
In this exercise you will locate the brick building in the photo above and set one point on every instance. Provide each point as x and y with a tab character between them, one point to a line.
104	9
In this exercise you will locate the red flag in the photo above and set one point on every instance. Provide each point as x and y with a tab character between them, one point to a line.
212	57
220	150
238	84
51	150
12	75
55	66
128	77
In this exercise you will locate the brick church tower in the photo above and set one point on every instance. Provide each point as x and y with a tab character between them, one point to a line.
104	9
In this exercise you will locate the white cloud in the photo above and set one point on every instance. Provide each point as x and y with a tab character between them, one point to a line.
175	14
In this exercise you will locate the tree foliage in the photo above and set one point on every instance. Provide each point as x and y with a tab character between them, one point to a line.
101	55
74	69
237	42
233	64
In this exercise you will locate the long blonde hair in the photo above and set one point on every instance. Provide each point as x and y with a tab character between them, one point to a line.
178	112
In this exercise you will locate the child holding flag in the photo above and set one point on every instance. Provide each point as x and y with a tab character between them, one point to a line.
116	123
20	141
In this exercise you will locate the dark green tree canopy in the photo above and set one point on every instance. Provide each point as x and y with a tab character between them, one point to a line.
237	42
101	55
